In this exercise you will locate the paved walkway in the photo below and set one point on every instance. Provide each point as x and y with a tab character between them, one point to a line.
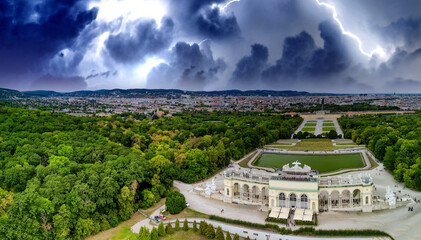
252	233
319	126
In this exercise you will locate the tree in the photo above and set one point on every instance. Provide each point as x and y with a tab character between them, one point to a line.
219	234
236	237
177	225
144	233
389	158
202	227
161	229
62	223
247	238
195	226
169	229
210	232
228	237
154	234
185	225
125	201
175	202
332	134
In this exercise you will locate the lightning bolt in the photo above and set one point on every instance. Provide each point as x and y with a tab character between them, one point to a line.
379	50
229	3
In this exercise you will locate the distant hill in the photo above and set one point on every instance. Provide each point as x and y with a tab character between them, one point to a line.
43	93
9	94
140	93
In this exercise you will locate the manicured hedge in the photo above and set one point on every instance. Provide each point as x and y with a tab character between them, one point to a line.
312	223
303	230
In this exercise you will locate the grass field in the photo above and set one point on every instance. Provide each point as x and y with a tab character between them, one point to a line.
308	129
313	145
182	235
322	163
310	124
328	124
312	121
327	129
327	120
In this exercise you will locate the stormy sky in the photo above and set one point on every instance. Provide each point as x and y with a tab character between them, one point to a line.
359	46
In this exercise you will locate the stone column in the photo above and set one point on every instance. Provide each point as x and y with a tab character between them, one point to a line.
340	200
351	200
329	202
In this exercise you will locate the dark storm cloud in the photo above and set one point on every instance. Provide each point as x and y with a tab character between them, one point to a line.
33	32
146	40
200	17
404	32
213	25
300	58
249	68
188	67
403	85
59	83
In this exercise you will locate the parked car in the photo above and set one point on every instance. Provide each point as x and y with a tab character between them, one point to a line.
158	219
162	217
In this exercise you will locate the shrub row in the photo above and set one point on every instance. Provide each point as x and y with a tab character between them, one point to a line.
303	230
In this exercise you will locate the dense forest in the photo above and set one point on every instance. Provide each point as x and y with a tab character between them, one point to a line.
66	177
395	140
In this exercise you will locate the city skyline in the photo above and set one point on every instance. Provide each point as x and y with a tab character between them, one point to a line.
315	46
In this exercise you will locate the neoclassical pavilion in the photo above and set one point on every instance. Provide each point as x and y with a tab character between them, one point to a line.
298	188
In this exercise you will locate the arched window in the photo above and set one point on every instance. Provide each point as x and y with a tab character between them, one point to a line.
366	200
228	192
293	197
304	198
304	201
282	196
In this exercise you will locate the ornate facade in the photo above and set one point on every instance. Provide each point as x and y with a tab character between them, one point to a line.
298	188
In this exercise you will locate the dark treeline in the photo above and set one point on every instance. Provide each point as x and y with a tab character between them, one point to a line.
66	177
395	140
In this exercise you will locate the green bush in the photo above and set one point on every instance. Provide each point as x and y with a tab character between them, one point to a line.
236	237
210	232
144	233
219	234
202	227
169	229
175	202
161	229
177	225
228	237
185	225
154	234
282	221
195	226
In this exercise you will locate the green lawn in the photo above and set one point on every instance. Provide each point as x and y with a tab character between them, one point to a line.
310	124
308	129
312	121
328	124
322	163
182	235
327	129
327	120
